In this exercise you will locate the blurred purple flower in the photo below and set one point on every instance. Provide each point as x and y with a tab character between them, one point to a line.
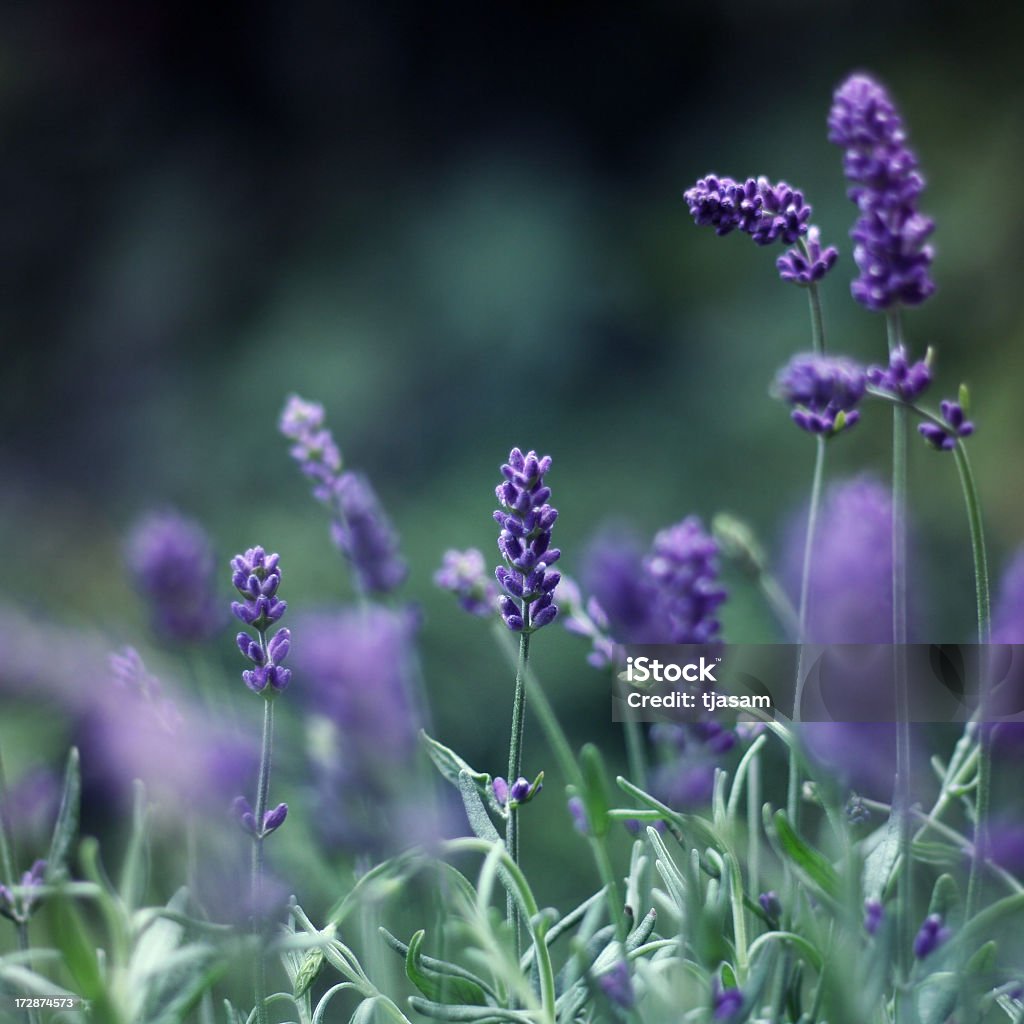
1008	613
902	378
956	425
823	391
873	914
932	934
613	575
314	449
464	574
360	667
804	268
171	562
31	807
617	984
766	212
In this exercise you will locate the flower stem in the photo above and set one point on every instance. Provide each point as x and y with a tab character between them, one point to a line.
793	796
634	741
817	321
515	764
900	419
6	837
262	791
981	586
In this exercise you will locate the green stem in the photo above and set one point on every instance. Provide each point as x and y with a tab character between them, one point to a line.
24	947
634	741
981	586
817	321
262	792
515	765
793	796
899	638
754	823
611	886
6	836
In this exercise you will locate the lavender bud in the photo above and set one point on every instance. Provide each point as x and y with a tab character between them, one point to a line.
931	935
580	820
873	913
617	985
727	1002
804	268
273	820
519	790
901	378
770	904
257	576
242	810
463	574
500	787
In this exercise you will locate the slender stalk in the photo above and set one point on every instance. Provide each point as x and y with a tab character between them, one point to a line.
634	741
262	791
6	836
900	419
515	765
24	946
981	579
817	321
754	824
793	795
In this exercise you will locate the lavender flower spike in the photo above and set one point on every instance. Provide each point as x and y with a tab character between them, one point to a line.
890	234
170	559
464	574
823	390
365	535
901	378
805	266
526	519
256	576
944	438
766	212
314	448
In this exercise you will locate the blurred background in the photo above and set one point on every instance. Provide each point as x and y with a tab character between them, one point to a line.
460	227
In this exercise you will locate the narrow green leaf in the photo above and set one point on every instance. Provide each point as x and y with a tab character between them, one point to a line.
467	1013
479	820
595	794
642	932
811	863
76	945
437	986
449	764
66	827
936	997
135	870
946	901
440	967
309	970
879	864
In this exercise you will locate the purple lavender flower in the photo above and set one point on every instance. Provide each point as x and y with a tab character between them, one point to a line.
957	425
521	791
588	621
727	1002
617	984
805	266
362	724
684	783
256	576
823	390
873	914
526	519
1008	616
314	448
20	908
890	233
272	819
360	528
901	378
464	574
758	208
580	818
171	562
614	576
683	566
931	935
364	534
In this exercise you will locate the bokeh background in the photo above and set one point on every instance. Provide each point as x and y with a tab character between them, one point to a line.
459	227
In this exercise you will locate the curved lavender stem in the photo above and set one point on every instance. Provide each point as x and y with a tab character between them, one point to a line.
515	764
262	793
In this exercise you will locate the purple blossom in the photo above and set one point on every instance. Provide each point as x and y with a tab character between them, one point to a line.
521	791
766	212
464	574
1008	614
362	723
614	575
526	519
684	783
360	528
823	390
890	233
20	908
314	448
805	266
273	819
957	425
170	559
364	534
683	566
617	984
902	378
727	1002
931	935
873	914
589	621
580	818
257	576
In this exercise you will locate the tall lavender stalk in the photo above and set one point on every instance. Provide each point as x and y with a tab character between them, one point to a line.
256	577
526	520
893	259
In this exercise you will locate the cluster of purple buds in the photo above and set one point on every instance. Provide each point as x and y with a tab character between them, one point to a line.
272	819
957	425
902	378
810	263
824	391
727	1003
890	233
464	574
589	621
19	911
873	914
766	212
526	519
171	562
522	791
932	934
770	904
361	529
683	566
256	577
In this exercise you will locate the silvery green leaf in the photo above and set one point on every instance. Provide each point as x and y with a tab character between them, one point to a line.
468	1013
946	901
450	765
440	967
309	969
66	826
879	863
642	932
479	820
936	997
